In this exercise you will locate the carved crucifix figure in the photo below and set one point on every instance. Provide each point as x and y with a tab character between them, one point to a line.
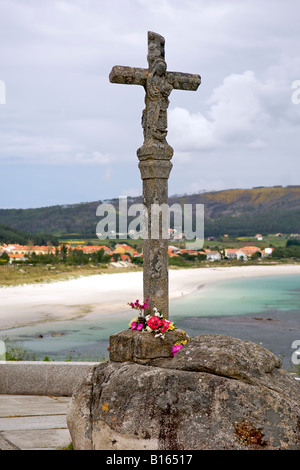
155	155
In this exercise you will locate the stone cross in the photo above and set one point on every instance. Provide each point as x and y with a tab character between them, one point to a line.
154	157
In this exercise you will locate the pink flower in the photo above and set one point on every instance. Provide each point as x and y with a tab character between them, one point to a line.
176	348
139	327
165	326
144	305
133	325
154	323
136	305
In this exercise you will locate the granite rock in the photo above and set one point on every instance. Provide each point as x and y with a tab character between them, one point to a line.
217	393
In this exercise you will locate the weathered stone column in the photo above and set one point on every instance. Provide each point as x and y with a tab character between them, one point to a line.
155	174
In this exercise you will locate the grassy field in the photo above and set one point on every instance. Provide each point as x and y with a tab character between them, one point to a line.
13	275
221	243
268	241
23	274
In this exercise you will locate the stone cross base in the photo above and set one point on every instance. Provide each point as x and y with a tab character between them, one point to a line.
142	347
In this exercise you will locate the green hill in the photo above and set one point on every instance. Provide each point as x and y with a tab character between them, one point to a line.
237	212
242	212
12	235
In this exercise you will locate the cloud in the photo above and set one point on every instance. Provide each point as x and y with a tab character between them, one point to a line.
48	151
61	109
243	110
131	192
93	158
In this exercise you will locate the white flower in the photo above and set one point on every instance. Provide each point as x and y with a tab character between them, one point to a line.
159	335
149	329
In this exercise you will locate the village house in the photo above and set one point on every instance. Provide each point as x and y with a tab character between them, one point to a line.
246	252
230	253
44	250
241	255
250	250
174	249
235	253
89	249
266	252
212	255
123	248
15	249
172	254
125	257
189	252
25	250
16	257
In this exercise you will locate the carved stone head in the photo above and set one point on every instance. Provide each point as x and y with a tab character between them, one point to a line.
156	48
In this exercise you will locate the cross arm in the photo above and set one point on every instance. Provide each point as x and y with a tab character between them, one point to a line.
184	81
128	75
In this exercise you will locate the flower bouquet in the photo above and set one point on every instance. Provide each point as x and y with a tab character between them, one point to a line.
155	323
158	324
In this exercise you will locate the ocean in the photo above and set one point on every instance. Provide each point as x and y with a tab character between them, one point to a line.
265	310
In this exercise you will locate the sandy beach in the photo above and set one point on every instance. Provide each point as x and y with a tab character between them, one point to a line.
106	294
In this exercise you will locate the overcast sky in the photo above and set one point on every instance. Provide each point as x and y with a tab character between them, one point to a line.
67	135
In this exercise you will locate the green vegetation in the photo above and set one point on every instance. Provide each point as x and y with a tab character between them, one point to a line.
237	212
291	250
68	257
17	352
13	235
69	447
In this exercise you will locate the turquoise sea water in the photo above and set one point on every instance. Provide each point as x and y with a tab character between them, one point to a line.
215	308
241	296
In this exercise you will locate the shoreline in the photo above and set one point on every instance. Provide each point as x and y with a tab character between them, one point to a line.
212	275
108	294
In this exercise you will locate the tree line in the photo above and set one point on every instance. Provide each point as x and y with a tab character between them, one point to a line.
291	250
9	235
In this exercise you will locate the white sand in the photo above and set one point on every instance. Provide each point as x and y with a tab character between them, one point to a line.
106	294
